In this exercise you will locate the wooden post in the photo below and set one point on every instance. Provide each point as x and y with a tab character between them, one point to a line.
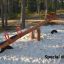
38	34
32	35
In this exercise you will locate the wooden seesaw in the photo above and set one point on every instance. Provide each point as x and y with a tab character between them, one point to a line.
6	44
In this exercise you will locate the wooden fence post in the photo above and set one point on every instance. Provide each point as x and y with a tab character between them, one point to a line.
38	34
32	35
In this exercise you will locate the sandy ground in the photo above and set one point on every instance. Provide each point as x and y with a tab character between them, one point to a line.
16	22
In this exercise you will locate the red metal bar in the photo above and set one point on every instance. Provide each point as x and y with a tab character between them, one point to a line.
18	29
6	35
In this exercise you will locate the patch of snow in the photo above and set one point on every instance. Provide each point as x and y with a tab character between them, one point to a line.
27	51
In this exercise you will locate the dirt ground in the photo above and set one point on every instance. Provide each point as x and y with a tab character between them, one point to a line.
31	22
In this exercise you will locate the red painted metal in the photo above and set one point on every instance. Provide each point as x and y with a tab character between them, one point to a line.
18	29
6	35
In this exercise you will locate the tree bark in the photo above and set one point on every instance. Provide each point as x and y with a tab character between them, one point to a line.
62	4
55	6
38	7
23	13
2	13
46	9
6	13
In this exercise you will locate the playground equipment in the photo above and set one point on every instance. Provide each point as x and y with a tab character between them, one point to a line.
20	33
18	29
6	35
6	43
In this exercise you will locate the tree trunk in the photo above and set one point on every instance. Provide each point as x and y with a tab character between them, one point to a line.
23	13
6	12
2	13
55	6
38	7
62	4
46	9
